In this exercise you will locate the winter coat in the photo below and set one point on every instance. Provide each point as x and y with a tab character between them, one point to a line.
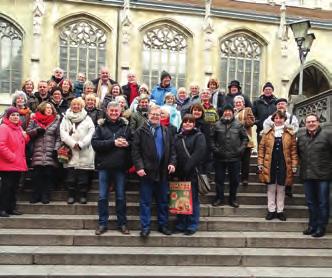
229	99
210	114
78	88
12	147
80	132
196	146
291	122
107	99
262	109
126	92
32	102
95	114
174	115
40	99
228	140
25	114
137	119
44	145
265	151
246	117
315	155
61	107
218	101
68	97
109	156
158	93
183	107
144	153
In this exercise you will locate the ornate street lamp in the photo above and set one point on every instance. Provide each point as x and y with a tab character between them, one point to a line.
304	42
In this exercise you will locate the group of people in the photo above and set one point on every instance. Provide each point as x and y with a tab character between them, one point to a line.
159	135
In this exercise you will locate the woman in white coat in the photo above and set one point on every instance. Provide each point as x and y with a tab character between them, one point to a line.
76	131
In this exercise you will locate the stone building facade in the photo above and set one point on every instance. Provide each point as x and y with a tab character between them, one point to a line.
194	40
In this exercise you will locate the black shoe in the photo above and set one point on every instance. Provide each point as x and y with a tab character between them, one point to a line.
145	233
15	212
177	231
70	201
218	203
189	232
245	183
124	230
320	232
4	214
83	200
270	215
101	230
309	231
45	201
34	201
164	230
281	216
234	204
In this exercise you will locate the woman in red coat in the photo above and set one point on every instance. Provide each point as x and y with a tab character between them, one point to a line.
12	160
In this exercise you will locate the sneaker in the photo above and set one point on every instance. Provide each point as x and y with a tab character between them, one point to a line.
218	203
101	230
124	230
164	230
189	232
144	233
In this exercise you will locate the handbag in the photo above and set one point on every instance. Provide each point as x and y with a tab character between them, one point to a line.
180	198
204	186
64	154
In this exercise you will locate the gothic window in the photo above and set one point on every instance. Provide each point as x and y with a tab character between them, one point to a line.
241	60
10	57
164	48
82	49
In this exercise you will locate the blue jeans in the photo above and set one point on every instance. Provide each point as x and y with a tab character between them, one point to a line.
149	187
190	222
234	178
119	177
317	195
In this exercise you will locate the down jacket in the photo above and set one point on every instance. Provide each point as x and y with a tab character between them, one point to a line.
228	140
79	132
247	118
315	155
265	151
12	147
44	145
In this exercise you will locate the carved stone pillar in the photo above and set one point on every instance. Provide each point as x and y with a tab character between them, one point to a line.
125	57
208	40
37	17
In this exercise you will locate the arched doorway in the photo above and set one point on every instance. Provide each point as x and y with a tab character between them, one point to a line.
314	82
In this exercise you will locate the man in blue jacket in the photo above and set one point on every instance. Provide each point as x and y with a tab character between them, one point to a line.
158	92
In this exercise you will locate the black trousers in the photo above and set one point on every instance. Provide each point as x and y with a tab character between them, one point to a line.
9	184
77	181
245	164
43	182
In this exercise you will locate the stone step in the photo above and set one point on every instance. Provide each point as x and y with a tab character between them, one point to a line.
133	196
165	256
136	271
255	239
219	224
133	209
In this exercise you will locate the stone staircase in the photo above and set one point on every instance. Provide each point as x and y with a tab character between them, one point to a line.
57	240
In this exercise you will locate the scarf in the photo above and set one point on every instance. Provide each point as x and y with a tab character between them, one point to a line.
133	92
164	122
43	120
76	117
279	130
24	111
268	98
99	90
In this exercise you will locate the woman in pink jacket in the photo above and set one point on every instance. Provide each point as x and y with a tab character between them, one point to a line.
12	160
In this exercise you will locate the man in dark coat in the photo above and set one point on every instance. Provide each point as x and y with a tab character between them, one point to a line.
315	153
103	84
131	89
264	106
234	89
228	141
154	158
43	93
111	142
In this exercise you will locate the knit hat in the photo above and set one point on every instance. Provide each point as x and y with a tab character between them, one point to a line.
268	85
234	83
19	94
10	111
164	74
228	106
281	100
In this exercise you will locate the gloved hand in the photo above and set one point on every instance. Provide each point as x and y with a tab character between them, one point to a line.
40	131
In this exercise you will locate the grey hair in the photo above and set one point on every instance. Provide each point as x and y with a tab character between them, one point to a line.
58	69
205	90
88	84
153	107
239	97
113	104
117	98
18	94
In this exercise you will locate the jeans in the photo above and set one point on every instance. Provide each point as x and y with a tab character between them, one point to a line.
9	184
317	193
234	177
149	187
190	222
119	177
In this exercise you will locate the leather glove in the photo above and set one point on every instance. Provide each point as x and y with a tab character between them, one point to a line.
40	131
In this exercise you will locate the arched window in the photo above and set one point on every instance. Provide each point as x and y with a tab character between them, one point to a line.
82	49
241	60
164	48
10	57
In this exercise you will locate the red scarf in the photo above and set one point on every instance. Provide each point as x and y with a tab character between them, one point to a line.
164	122
43	120
133	92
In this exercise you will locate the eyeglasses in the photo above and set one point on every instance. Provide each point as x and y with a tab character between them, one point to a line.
155	114
308	122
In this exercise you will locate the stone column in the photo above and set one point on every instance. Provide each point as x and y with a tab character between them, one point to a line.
37	13
208	41
125	33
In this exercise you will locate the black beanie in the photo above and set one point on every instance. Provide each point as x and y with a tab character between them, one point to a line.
164	74
268	84
228	106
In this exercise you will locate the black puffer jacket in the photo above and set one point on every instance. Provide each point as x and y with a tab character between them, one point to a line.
228	140
144	153
95	114
262	109
315	155
196	146
108	156
44	145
